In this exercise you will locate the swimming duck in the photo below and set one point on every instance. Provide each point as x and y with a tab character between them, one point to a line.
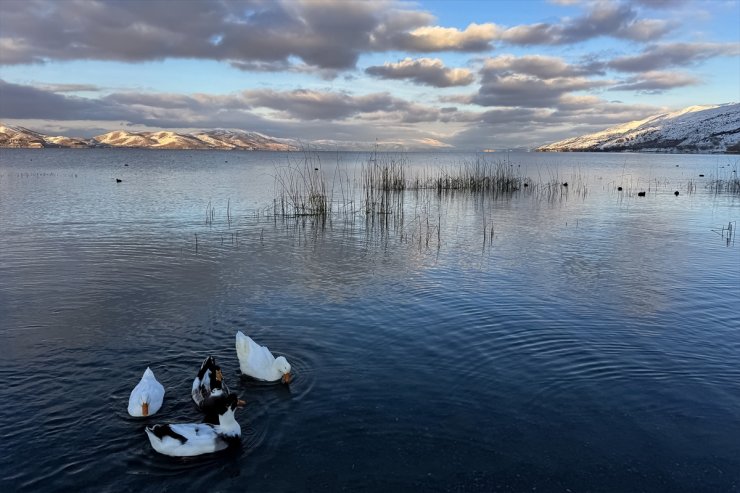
190	439
208	381
208	385
258	362
147	396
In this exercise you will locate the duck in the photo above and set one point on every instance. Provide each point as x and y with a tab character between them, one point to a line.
147	396
258	362
209	381
208	385
191	439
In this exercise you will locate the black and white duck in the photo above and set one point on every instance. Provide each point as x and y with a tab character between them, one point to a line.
191	439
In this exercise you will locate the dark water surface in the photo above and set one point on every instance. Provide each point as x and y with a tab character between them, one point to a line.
593	344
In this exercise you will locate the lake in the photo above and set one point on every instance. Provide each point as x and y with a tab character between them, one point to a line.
549	338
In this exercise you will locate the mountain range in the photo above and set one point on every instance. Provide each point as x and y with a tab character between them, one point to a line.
696	129
11	136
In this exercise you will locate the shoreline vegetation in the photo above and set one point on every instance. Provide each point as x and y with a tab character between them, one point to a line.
388	195
391	200
303	189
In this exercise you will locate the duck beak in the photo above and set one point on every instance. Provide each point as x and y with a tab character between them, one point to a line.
286	378
240	403
145	409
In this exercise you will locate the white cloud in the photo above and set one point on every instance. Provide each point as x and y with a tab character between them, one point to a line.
427	71
476	37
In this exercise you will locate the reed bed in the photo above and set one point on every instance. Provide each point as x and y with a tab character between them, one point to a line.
301	189
727	185
383	183
402	203
479	176
385	173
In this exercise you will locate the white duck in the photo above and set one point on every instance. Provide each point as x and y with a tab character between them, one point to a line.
147	396
258	362
187	440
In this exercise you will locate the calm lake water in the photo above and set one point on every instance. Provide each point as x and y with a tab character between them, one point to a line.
591	344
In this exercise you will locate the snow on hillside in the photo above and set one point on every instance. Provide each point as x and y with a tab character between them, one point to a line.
153	140
61	141
12	136
705	129
238	139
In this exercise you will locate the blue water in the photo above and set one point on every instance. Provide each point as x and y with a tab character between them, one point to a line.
591	344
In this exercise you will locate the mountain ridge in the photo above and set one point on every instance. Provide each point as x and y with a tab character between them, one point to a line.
216	139
694	129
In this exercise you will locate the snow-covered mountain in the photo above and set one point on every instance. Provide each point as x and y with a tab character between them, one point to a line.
705	129
239	139
11	136
154	140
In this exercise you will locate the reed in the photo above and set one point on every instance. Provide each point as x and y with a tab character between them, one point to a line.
479	176
384	172
301	189
383	183
726	185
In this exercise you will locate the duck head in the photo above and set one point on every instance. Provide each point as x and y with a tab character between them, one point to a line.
283	367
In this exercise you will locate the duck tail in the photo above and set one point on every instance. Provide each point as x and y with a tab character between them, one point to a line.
208	364
242	347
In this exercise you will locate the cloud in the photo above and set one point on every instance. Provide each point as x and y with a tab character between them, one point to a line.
530	81
645	29
310	115
159	110
656	82
341	117
20	101
531	127
476	37
660	56
304	104
532	34
255	35
660	4
530	92
329	34
507	116
260	108
427	71
602	19
69	87
276	35
544	67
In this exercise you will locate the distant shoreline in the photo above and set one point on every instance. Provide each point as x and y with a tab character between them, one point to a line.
486	152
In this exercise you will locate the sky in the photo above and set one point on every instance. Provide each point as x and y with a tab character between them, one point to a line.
435	74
